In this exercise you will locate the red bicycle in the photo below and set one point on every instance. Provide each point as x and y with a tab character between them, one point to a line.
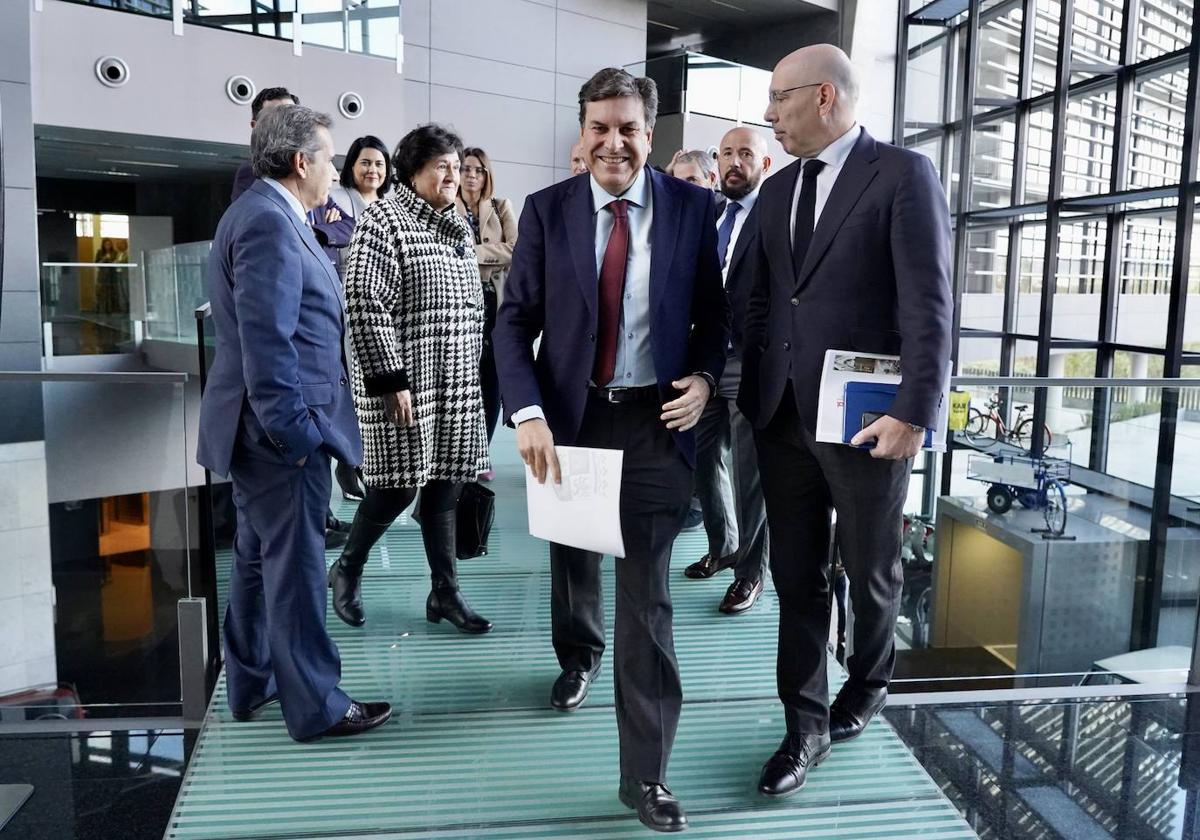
985	428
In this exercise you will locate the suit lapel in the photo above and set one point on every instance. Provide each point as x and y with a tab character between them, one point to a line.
304	232
749	228
776	195
857	172
581	239
664	233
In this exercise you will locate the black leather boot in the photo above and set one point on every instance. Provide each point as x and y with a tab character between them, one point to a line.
345	575
445	601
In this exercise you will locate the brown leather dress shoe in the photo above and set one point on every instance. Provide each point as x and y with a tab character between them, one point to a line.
359	718
741	596
706	567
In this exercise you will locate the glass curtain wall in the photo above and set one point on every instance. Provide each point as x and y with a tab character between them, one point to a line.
1062	131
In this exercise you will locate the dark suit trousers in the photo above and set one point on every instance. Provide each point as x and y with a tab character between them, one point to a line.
803	481
275	637
656	488
735	517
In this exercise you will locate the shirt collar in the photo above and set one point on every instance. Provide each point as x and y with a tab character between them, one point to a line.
835	154
292	201
747	201
638	192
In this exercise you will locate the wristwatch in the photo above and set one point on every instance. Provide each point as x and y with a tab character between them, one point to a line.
913	427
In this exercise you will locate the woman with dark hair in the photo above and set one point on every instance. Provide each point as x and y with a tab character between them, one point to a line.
414	304
495	227
366	177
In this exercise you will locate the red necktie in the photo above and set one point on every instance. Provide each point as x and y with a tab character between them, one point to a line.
612	286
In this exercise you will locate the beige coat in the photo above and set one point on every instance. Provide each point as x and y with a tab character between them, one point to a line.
497	235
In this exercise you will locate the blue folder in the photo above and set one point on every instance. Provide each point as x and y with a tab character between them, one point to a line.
863	402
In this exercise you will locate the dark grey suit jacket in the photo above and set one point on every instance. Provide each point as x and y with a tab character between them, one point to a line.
876	279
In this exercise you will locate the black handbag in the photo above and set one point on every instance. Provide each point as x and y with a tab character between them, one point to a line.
474	515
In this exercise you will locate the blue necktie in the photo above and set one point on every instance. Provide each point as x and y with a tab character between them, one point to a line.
725	231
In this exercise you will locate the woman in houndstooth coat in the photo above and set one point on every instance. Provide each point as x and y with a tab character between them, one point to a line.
415	316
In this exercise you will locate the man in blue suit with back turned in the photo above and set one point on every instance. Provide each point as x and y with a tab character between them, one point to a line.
275	408
617	271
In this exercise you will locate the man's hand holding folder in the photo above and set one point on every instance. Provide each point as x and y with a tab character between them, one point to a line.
894	439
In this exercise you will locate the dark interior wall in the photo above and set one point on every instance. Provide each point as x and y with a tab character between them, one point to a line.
195	207
763	46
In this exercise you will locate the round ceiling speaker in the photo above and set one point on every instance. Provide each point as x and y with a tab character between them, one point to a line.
112	71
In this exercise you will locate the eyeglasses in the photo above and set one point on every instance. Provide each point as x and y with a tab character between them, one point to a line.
474	170
780	95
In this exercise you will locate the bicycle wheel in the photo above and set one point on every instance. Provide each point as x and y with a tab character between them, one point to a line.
977	427
1055	512
1023	434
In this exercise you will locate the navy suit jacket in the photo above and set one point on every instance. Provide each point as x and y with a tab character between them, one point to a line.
332	236
876	279
552	290
279	373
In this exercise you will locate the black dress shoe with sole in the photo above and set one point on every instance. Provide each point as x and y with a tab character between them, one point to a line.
657	808
571	689
787	770
853	709
706	567
359	718
741	596
244	715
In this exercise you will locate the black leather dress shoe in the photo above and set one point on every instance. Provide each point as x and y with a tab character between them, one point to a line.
706	567
571	689
656	807
786	771
332	523
853	709
741	596
244	715
359	718
334	539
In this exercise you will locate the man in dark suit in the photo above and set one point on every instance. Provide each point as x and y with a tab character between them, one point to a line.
854	254
735	516
276	406
332	229
617	271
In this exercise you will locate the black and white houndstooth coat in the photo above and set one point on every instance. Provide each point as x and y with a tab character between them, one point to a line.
414	306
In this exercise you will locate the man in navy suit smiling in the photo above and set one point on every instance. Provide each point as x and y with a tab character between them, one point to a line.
617	271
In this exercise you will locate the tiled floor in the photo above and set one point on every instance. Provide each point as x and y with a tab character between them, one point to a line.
474	750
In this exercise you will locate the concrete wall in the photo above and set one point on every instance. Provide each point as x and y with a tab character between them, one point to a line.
26	593
506	74
176	84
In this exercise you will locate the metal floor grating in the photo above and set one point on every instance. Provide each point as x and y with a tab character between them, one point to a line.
474	750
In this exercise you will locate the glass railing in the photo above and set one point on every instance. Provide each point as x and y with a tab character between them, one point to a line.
369	27
175	286
100	308
99	531
90	308
693	83
1047	557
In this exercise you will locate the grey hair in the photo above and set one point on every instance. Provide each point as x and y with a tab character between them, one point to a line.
701	158
612	82
280	133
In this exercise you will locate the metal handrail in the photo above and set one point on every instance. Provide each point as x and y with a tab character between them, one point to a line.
147	377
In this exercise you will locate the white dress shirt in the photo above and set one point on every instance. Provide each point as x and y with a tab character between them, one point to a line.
834	155
739	221
635	361
292	201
